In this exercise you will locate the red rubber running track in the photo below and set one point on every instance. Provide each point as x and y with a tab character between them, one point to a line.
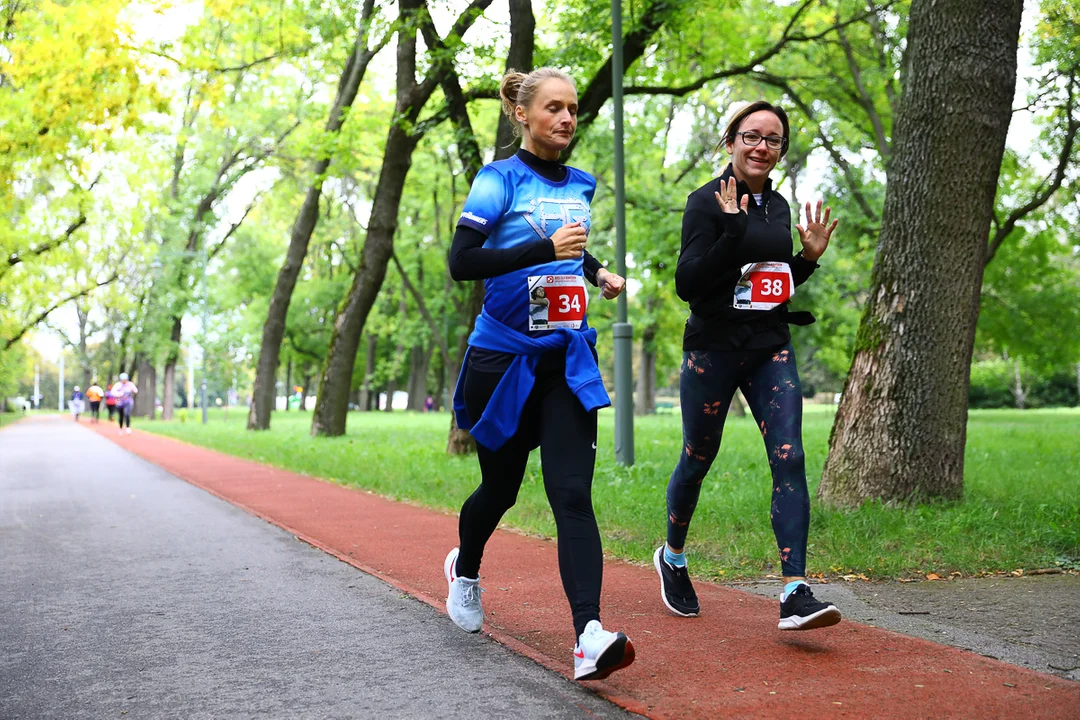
730	662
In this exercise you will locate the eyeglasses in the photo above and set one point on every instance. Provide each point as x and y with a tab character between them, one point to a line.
753	139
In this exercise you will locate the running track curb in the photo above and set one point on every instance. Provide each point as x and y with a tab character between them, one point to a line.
851	670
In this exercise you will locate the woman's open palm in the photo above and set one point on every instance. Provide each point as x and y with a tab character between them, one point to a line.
815	236
728	198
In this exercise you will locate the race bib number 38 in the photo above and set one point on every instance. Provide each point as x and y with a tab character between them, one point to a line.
763	286
556	301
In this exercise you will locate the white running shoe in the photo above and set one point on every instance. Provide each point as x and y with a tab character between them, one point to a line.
127	430
463	602
599	653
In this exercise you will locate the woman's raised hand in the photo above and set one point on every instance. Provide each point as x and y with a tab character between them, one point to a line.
728	198
815	236
569	241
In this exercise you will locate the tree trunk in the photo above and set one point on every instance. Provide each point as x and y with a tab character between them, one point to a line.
900	430
364	398
388	392
460	442
288	383
399	353
82	312
263	390
304	389
1019	396
169	389
145	405
332	405
645	403
736	408
419	360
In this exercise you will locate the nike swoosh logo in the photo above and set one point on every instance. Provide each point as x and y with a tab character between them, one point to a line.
594	446
580	654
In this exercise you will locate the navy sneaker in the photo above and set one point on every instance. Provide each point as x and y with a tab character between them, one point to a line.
676	590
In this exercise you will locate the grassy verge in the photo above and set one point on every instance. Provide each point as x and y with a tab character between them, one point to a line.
6	418
1021	508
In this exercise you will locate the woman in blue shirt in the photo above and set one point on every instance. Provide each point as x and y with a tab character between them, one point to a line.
530	376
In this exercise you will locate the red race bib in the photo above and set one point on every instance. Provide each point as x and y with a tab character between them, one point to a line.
556	301
763	286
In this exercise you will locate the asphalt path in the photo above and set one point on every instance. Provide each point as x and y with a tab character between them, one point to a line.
126	592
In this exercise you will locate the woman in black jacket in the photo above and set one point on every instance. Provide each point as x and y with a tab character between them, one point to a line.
737	272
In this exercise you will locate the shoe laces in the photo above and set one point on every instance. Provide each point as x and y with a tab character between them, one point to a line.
594	631
470	593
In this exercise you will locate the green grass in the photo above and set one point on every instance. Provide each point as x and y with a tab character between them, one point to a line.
1021	507
8	418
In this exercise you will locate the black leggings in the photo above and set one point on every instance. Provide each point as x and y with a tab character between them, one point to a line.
769	380
95	408
123	414
554	418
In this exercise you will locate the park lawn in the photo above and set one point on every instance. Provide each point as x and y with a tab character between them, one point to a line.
1021	508
6	418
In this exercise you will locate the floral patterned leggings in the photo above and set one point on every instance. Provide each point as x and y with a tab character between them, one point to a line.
769	381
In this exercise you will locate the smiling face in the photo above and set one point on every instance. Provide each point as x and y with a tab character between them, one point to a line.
549	123
752	165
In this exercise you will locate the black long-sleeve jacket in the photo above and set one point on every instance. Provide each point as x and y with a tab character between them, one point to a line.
715	246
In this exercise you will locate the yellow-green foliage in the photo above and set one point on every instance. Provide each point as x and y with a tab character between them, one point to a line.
71	81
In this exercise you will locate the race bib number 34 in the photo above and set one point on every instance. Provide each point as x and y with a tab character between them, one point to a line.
556	301
763	286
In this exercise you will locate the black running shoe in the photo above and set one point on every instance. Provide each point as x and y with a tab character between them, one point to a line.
675	588
802	611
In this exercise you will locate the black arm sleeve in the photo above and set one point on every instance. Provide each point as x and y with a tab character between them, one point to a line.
470	260
709	239
802	269
591	266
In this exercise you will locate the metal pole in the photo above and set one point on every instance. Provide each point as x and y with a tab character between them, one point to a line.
191	378
60	394
622	330
205	299
37	385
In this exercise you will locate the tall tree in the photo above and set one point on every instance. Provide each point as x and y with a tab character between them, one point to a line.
404	134
901	426
70	87
520	58
262	401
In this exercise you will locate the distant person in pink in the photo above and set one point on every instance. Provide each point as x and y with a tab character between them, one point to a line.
124	394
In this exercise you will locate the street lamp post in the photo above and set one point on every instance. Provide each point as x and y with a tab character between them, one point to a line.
623	330
205	302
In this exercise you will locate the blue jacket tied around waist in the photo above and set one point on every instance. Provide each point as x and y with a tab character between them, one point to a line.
500	418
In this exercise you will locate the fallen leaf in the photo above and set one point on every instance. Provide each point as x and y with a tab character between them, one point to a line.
933	576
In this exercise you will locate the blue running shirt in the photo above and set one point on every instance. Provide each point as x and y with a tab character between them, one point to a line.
512	205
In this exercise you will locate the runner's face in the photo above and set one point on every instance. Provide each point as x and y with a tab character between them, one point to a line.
752	165
549	124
